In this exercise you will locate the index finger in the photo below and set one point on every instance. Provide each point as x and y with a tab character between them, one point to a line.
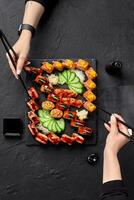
114	127
119	117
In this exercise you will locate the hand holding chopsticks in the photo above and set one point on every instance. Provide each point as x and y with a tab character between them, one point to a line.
122	122
115	141
9	49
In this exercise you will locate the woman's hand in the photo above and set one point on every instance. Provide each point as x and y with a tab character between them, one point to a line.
21	47
115	140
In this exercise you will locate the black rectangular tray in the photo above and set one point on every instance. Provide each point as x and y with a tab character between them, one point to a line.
92	121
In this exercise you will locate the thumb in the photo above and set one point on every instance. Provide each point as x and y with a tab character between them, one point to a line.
20	64
113	124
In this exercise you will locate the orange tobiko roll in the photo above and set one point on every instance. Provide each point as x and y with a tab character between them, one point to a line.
91	73
82	64
68	64
47	67
89	106
89	96
89	84
58	65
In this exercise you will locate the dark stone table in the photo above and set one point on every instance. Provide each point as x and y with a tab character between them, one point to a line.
100	29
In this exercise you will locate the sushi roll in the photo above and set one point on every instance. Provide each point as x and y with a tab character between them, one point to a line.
32	105
33	117
33	70
41	80
32	128
53	138
89	106
41	138
33	93
68	64
78	138
82	64
91	73
47	67
89	84
58	65
89	96
48	105
56	113
46	89
67	139
85	130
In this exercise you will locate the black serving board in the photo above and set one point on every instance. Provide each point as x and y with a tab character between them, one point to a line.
92	121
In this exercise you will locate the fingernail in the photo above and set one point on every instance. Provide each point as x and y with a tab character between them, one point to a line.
112	117
28	63
18	71
16	76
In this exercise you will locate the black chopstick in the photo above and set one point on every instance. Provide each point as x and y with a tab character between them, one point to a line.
127	136
124	123
5	42
5	38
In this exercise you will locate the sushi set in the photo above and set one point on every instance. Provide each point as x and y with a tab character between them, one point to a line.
62	95
62	103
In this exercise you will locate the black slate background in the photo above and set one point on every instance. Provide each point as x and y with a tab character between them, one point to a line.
101	29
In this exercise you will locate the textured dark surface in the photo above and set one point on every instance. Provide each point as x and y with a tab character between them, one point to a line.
102	29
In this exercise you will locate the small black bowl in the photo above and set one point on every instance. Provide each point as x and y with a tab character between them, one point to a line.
12	127
93	158
114	68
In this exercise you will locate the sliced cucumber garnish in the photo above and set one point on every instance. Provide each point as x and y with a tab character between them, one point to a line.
49	126
75	80
42	119
64	73
61	79
76	85
57	127
72	76
61	124
74	89
40	113
54	129
45	124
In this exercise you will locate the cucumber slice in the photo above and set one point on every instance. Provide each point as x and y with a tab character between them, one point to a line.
72	76
40	113
52	125
64	73
75	80
49	126
45	112
71	88
77	90
54	129
61	79
45	124
42	119
68	75
57	127
47	119
76	85
61	124
46	115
